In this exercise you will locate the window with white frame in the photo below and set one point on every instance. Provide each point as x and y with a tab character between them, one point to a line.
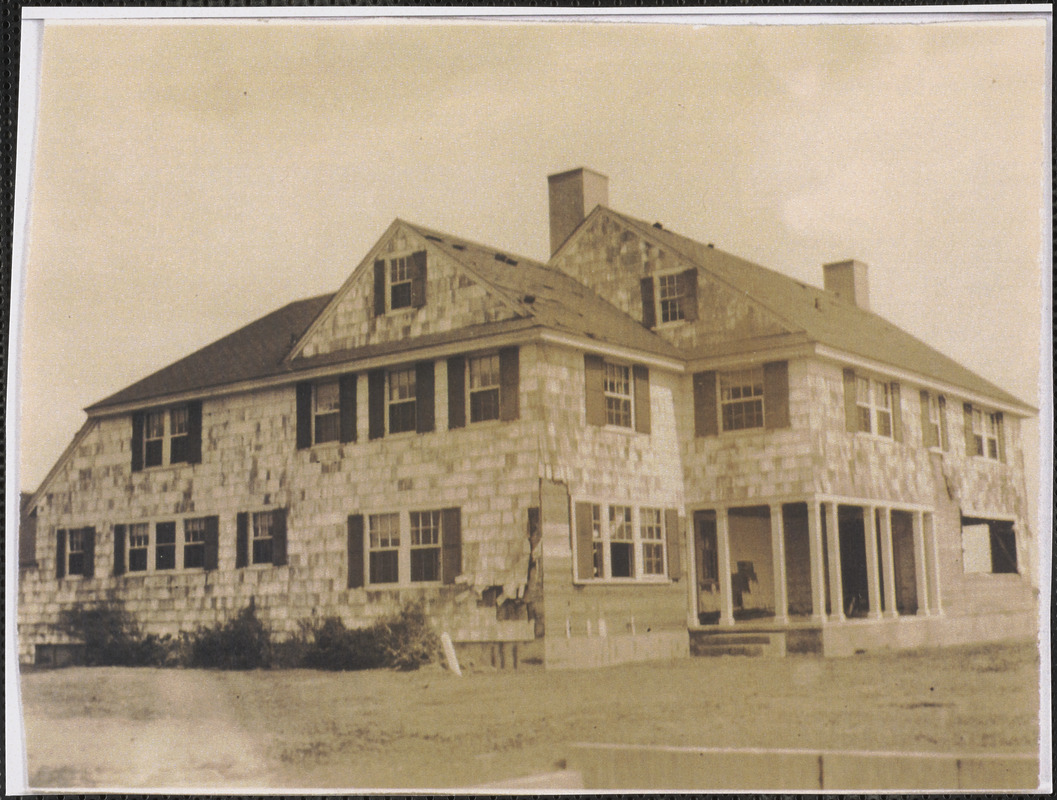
425	546
262	537
617	389
401	400
154	439
384	548
874	402
651	532
985	434
741	399
178	439
400	272
670	298
194	543
75	552
166	437
138	546
484	387
626	542
326	412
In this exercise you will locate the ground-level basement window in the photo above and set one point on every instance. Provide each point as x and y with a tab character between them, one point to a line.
988	546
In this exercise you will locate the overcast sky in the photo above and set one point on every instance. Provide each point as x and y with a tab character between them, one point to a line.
191	178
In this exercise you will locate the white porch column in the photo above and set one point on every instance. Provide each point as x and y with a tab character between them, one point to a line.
873	581
781	593
932	554
920	573
726	591
836	585
818	574
888	564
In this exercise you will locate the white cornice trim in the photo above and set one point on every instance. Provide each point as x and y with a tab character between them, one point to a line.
924	381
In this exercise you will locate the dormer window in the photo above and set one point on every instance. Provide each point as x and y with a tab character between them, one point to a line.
399	282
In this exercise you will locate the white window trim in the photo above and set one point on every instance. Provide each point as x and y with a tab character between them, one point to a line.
469	389
986	436
658	314
315	389
390	258
720	401
934	419
152	547
874	409
388	402
166	437
403	560
630	427
129	548
640	577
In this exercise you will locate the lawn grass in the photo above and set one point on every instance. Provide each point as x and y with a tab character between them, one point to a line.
116	728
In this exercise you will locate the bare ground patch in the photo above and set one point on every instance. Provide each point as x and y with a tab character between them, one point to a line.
138	728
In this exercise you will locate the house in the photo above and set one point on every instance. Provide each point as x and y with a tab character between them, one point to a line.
642	444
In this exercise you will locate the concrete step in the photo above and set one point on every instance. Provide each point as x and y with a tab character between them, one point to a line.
737	643
710	651
744	638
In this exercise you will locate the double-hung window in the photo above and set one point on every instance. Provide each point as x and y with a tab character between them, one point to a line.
622	541
401	404
167	436
670	297
985	434
400	270
263	535
178	439
384	548
617	388
138	546
651	532
741	399
484	387
425	546
873	400
154	439
75	552
326	412
194	543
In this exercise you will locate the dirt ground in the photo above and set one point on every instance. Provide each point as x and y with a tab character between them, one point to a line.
178	729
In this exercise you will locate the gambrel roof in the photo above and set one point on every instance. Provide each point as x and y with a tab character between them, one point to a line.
820	315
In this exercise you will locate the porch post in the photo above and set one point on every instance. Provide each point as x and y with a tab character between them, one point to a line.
919	564
933	557
873	582
887	565
726	592
836	585
781	594
818	574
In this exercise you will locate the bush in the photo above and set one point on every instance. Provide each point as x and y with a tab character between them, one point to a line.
111	637
404	641
239	643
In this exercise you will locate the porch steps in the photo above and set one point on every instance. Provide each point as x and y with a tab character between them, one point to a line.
748	643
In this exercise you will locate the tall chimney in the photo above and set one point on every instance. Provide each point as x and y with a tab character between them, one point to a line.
574	195
849	281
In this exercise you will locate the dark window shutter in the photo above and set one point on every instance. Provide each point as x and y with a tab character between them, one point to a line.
970	440
776	394
137	441
376	404
509	384
851	406
649	312
674	542
1000	431
347	407
688	280
212	543
642	398
451	544
929	433
595	398
194	432
279	537
425	397
88	536
355	556
418	279
60	553
242	539
706	423
119	549
944	441
379	288
897	412
304	416
585	553
456	392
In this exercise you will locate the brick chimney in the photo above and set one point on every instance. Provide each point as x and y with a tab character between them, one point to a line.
574	195
849	281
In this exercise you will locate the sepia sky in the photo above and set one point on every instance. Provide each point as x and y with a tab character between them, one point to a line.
189	178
